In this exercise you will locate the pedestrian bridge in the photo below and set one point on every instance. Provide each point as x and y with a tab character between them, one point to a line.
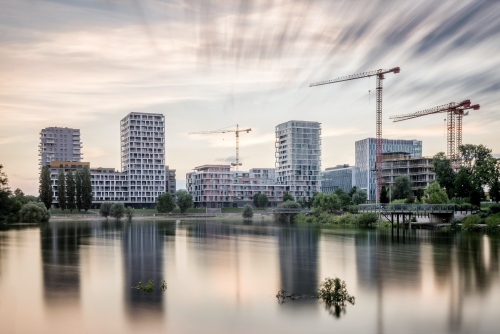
416	209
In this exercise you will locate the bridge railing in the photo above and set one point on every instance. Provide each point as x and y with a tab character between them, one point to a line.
406	207
290	210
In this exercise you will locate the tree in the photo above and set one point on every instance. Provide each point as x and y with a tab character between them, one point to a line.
384	198
105	209
184	200
402	187
9	205
419	193
260	200
129	212
495	191
247	211
70	191
86	189
22	198
165	204
45	187
352	191
326	202
344	198
478	162
34	213
476	195
78	189
445	175
435	194
117	211
462	184
287	197
61	190
359	197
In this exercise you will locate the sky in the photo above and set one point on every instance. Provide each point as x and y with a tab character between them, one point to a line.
212	64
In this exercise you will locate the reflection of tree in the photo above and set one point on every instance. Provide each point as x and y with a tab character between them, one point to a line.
60	244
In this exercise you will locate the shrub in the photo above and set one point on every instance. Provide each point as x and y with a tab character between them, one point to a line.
346	219
105	209
34	213
493	221
129	212
247	211
495	208
471	222
334	291
117	211
367	218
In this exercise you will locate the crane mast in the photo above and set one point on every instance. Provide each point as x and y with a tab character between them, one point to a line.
378	118
455	113
237	133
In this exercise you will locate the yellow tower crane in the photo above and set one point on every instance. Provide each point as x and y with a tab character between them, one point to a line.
237	133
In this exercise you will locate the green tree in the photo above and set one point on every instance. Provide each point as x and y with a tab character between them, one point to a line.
462	184
184	200
419	193
86	189
435	194
384	198
105	209
352	191
344	197
263	201
9	205
326	202
61	190
22	198
359	197
165	204
117	211
34	213
476	195
247	212
402	187
495	191
70	191
129	212
45	187
445	175
78	189
288	197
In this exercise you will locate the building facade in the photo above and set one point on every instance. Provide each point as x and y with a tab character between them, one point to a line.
59	144
216	186
143	156
419	170
365	153
339	177
298	157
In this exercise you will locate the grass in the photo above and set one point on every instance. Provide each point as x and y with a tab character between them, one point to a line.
231	210
67	212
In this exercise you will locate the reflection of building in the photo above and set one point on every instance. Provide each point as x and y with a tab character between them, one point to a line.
419	170
59	144
365	159
61	261
216	186
298	257
339	177
142	247
298	157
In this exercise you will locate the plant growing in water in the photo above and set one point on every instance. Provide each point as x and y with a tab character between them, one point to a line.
150	286
334	291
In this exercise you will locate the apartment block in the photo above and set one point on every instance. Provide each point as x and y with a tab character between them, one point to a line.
365	153
59	144
419	170
339	177
216	186
298	157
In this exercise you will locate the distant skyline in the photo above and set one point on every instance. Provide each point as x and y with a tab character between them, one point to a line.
208	65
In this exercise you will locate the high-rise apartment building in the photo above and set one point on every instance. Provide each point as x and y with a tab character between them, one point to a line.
143	156
59	144
365	152
339	177
298	157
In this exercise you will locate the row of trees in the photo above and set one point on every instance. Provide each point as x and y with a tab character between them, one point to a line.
166	203
116	210
74	191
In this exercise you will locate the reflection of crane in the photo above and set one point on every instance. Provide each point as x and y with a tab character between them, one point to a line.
455	111
380	76
237	132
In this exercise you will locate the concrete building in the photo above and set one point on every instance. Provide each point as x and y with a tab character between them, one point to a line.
339	177
171	181
365	152
59	144
419	170
143	156
298	157
266	175
216	186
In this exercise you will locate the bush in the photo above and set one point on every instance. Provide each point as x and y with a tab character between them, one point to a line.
351	209
368	218
247	211
346	219
105	209
493	221
117	211
471	222
495	208
129	212
334	291
34	213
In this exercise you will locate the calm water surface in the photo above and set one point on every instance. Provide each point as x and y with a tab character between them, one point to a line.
75	277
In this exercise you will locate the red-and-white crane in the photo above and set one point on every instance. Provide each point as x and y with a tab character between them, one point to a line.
380	75
455	113
237	133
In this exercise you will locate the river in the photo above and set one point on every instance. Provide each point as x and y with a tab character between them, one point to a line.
223	276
